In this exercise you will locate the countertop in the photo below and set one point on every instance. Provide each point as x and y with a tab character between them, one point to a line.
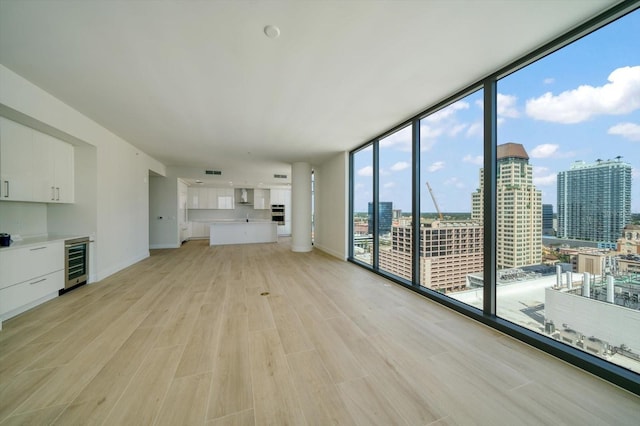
238	222
39	239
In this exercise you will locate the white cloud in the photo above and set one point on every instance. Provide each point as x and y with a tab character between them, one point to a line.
507	106
427	144
400	165
620	96
389	185
629	131
550	150
545	150
366	171
478	160
547	180
358	186
549	80
475	129
635	173
453	131
447	112
438	165
542	176
400	140
454	181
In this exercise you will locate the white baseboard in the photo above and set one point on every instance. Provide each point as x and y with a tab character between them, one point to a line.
163	246
120	266
330	251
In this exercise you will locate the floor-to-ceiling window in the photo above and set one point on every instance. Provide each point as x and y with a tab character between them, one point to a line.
362	200
395	204
559	127
569	136
451	231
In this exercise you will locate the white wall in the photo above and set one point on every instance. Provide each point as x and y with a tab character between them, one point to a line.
122	195
24	219
331	205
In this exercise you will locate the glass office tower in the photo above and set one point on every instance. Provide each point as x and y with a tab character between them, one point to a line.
594	200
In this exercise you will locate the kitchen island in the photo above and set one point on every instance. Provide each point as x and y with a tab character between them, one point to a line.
242	232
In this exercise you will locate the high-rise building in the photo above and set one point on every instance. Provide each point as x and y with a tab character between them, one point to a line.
594	201
385	217
547	219
449	251
519	209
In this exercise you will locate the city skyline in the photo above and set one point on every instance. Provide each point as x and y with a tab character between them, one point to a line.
558	108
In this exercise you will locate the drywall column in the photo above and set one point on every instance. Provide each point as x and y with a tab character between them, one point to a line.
300	207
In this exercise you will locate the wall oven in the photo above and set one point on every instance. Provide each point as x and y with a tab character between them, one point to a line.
277	213
76	260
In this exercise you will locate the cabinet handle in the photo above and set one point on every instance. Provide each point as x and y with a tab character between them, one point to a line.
6	187
53	194
38	248
58	192
39	281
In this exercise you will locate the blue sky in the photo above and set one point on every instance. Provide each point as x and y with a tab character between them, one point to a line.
580	103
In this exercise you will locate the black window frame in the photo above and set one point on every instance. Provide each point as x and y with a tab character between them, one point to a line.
613	373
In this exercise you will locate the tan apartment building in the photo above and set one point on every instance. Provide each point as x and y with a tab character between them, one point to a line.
449	250
519	209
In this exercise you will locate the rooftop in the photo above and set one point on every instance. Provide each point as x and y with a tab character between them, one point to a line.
512	150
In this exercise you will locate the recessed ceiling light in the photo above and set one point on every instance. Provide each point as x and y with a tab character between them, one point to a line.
198	181
272	31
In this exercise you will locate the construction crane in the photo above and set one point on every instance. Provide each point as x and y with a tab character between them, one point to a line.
435	203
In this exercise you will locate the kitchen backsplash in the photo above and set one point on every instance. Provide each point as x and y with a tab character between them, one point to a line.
25	219
240	212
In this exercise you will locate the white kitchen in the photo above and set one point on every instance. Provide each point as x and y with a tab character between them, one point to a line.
234	215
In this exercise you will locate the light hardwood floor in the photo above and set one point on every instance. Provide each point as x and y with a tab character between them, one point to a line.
189	336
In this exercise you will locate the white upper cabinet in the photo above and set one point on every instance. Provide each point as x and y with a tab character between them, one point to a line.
261	199
16	155
64	176
226	198
53	169
193	198
34	166
210	198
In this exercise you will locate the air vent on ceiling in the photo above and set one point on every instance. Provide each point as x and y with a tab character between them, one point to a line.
280	176
213	172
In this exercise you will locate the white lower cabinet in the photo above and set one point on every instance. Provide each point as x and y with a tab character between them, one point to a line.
28	275
21	295
199	230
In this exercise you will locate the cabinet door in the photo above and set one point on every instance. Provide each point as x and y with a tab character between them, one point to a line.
62	156
212	201
16	156
261	199
225	198
204	198
43	164
193	198
21	264
16	296
275	196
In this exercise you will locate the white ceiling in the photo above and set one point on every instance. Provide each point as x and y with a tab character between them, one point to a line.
197	83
